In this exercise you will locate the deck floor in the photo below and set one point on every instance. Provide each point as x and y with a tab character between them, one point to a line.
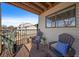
29	50
41	52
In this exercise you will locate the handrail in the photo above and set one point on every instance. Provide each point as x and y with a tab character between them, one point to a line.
6	38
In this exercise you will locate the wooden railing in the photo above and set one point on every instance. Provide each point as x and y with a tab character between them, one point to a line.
18	37
23	35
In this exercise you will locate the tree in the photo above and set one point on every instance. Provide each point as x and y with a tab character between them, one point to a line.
4	26
11	27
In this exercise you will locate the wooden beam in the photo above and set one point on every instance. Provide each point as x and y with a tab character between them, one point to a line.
33	6
50	4
41	5
18	4
55	3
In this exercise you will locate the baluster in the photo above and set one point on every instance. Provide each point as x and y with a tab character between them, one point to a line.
18	37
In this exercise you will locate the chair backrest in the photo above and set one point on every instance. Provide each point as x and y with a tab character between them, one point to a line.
66	38
39	33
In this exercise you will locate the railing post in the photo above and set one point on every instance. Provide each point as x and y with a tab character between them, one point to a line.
0	29
0	41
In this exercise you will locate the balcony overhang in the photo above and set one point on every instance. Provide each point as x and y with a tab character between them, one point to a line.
34	7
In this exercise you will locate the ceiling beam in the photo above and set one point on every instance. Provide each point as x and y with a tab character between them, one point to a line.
32	6
41	5
50	4
18	4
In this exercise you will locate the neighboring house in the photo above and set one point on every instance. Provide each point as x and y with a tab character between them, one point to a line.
27	28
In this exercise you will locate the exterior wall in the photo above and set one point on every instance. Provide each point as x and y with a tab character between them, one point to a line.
52	33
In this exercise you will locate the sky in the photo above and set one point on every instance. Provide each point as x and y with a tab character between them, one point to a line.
12	15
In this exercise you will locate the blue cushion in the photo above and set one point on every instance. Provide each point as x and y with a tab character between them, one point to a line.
62	48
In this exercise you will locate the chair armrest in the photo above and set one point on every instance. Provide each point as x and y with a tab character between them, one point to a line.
50	43
71	52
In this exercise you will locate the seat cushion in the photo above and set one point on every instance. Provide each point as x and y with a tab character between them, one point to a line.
62	48
37	39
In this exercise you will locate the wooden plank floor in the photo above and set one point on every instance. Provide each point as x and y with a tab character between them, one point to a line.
24	51
38	53
29	49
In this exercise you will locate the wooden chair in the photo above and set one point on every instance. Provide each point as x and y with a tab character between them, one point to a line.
65	38
37	39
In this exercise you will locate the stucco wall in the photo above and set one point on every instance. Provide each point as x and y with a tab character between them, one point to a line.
52	33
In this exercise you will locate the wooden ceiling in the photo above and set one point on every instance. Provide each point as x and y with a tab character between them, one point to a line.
34	7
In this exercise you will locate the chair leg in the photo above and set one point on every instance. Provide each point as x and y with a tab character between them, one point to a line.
37	46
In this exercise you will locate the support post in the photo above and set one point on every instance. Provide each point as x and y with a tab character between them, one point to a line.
0	30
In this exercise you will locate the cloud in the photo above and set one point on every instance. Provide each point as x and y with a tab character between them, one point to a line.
16	21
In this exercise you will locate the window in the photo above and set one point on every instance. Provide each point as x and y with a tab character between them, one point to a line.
49	22
64	18
59	21
53	23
